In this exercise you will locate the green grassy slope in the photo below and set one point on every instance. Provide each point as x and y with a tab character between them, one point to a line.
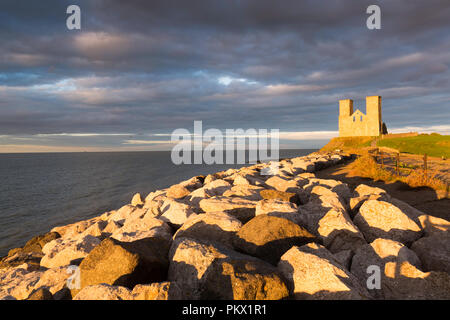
434	145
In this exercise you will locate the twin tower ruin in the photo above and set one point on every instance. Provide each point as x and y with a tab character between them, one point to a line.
359	124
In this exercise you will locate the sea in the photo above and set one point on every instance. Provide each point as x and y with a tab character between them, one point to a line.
39	191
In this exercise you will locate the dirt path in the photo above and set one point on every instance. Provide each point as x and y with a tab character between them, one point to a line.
424	199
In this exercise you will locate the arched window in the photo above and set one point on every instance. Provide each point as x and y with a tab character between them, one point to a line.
360	119
353	118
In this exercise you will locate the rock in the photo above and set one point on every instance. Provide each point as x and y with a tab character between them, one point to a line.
125	263
268	237
74	229
110	228
302	165
55	281
209	271
193	183
248	192
344	258
18	282
433	225
337	187
218	227
40	294
209	178
337	232
216	187
240	278
96	229
140	228
156	195
239	208
189	260
281	184
125	213
356	202
17	257
380	219
268	206
405	281
196	196
379	253
137	200
175	212
364	190
62	252
104	291
240	180
177	192
157	291
37	243
280	195
434	252
312	272
153	206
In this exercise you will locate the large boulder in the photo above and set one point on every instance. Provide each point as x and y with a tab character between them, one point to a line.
205	270
175	212
313	272
104	291
218	227
55	281
140	228
177	191
40	294
405	281
62	251
282	184
125	263
433	225
31	253
216	187
380	219
434	252
17	283
269	206
157	291
269	237
340	188
337	232
248	192
241	209
379	253
280	195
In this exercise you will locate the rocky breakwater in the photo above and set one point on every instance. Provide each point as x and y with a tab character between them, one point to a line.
238	234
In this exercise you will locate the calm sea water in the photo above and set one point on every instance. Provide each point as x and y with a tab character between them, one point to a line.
41	191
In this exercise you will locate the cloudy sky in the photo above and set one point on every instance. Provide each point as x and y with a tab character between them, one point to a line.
139	69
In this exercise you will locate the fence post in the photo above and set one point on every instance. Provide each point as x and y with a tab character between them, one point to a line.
425	167
381	158
397	164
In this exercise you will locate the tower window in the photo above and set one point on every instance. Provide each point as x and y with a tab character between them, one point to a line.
360	119
353	118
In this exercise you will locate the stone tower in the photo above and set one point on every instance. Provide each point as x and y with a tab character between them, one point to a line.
357	123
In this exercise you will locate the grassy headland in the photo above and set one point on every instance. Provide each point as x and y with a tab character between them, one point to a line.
369	166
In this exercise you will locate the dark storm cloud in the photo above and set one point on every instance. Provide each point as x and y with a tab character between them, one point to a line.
153	66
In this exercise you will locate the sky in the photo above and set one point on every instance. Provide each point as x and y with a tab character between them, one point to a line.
137	70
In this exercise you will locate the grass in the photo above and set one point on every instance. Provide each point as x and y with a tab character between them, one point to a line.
348	143
434	145
366	166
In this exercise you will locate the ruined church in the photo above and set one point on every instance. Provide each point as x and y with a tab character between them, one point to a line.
359	124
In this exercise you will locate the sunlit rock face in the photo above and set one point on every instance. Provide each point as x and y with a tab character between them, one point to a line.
313	272
380	219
